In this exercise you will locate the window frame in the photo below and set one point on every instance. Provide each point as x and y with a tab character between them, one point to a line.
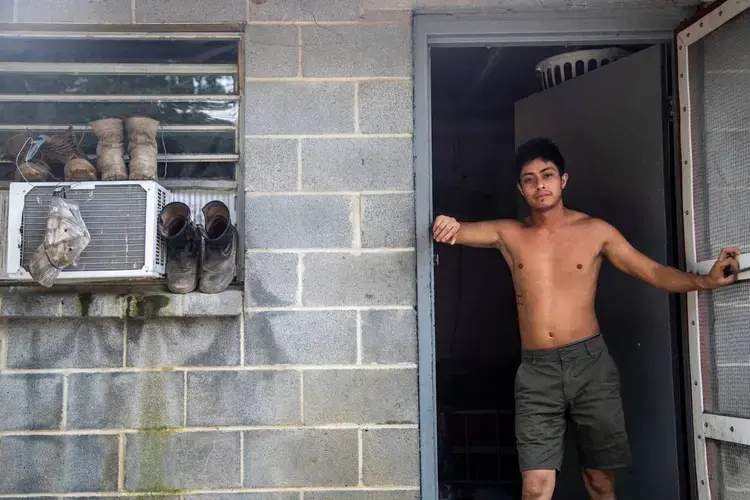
207	33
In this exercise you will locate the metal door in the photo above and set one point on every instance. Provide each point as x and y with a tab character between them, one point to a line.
714	97
610	127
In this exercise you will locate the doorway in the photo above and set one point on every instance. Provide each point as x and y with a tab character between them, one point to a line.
483	99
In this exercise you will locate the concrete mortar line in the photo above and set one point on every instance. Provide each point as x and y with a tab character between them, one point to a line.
359	337
260	194
299	51
242	337
360	458
242	459
220	430
325	79
64	414
4	340
300	278
302	397
299	165
121	462
247	368
357	129
185	398
137	494
330	136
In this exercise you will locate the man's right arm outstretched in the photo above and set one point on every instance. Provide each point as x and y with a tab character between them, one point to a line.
485	234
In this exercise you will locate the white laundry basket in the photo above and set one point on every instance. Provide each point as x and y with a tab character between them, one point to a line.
563	67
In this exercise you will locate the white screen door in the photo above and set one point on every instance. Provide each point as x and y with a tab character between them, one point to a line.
714	110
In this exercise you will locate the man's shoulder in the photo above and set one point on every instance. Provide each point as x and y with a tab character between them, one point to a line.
590	222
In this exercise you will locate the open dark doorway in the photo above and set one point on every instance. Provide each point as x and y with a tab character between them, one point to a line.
476	97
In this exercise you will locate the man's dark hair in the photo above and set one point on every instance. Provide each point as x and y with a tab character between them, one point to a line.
539	148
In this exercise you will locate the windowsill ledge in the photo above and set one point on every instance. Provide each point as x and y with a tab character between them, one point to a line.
19	303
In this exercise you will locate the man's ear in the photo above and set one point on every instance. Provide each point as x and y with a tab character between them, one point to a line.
564	180
520	189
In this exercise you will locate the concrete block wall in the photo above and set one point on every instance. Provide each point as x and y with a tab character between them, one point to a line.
302	386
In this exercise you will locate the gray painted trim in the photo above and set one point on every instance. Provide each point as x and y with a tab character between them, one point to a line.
511	29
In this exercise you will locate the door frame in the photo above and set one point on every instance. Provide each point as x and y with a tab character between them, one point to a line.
474	29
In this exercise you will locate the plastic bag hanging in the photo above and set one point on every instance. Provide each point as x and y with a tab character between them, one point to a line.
65	238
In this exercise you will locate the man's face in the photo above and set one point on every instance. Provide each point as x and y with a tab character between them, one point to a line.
541	184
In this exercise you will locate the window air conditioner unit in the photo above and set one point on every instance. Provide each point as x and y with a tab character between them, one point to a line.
121	217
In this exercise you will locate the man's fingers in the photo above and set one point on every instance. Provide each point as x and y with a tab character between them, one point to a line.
729	252
445	232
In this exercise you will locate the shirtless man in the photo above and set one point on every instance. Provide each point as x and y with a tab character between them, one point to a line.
555	256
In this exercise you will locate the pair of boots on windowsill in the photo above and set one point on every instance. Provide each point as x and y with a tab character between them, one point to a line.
212	269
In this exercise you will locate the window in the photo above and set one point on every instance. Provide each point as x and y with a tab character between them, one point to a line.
189	82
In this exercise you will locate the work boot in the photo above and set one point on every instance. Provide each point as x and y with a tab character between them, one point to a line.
110	149
63	150
33	171
219	262
183	247
142	147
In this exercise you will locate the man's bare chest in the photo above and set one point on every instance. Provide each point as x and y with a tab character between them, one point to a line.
554	255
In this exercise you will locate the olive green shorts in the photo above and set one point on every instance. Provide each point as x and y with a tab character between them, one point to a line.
577	387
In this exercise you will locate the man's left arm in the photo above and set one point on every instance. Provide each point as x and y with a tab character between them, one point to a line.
627	259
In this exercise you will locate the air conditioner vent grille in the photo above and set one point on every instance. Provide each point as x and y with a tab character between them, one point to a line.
103	209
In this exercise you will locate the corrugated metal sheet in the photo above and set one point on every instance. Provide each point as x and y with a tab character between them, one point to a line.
122	207
196	199
3	230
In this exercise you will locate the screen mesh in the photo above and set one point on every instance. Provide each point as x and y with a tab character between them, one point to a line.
730	477
719	77
725	349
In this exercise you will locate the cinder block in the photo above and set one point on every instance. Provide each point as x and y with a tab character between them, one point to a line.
362	495
357	164
299	221
30	402
158	461
301	338
265	398
75	11
98	305
344	279
389	336
226	303
386	107
30	305
361	396
6	11
70	343
388	220
306	10
390	457
361	50
184	342
271	279
271	165
58	464
271	51
153	306
295	458
181	11
125	400
318	108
